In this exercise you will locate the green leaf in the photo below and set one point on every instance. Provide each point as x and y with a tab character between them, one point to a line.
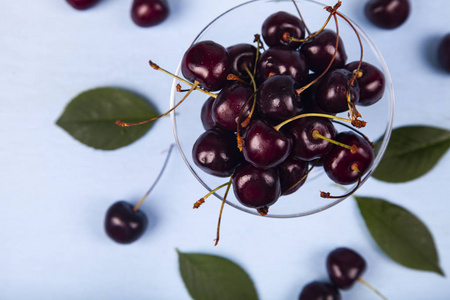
412	152
213	277
400	234
90	117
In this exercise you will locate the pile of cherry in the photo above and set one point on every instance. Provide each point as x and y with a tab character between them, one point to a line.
272	120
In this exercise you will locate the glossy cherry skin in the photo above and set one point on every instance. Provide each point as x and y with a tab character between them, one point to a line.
304	145
344	267
277	25
332	91
371	82
291	172
216	152
318	290
82	4
277	98
254	187
123	224
387	14
206	114
208	63
320	50
242	56
338	162
444	52
263	146
279	61
227	107
146	13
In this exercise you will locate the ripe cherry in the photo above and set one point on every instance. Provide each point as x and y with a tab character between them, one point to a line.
387	14
226	109
318	290
444	52
208	63
332	91
206	114
303	133
344	267
292	174
282	61
264	147
146	13
371	82
124	222
279	26
216	152
347	166
254	187
320	50
242	56
82	4
277	98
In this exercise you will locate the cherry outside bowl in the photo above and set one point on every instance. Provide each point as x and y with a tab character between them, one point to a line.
239	25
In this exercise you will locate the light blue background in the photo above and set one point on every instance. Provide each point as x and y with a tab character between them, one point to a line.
54	191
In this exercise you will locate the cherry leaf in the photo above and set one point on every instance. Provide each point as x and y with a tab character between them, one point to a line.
412	152
214	277
90	117
400	234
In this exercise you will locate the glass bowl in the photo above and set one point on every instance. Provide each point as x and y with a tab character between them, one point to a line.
238	25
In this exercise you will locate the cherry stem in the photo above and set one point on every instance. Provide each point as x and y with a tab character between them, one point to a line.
301	17
372	288
316	135
136	207
202	200
278	127
221	210
300	90
328	196
157	67
357	131
124	124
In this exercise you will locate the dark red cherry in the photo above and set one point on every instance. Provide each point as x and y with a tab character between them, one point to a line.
254	187
206	114
345	166
275	61
227	107
278	25
308	98
304	145
444	52
291	172
332	91
146	13
216	152
371	82
344	267
320	50
208	63
123	224
277	98
387	14
82	4
265	147
318	290
242	56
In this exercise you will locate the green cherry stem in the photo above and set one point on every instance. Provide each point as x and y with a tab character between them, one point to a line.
221	210
372	288
157	67
136	207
